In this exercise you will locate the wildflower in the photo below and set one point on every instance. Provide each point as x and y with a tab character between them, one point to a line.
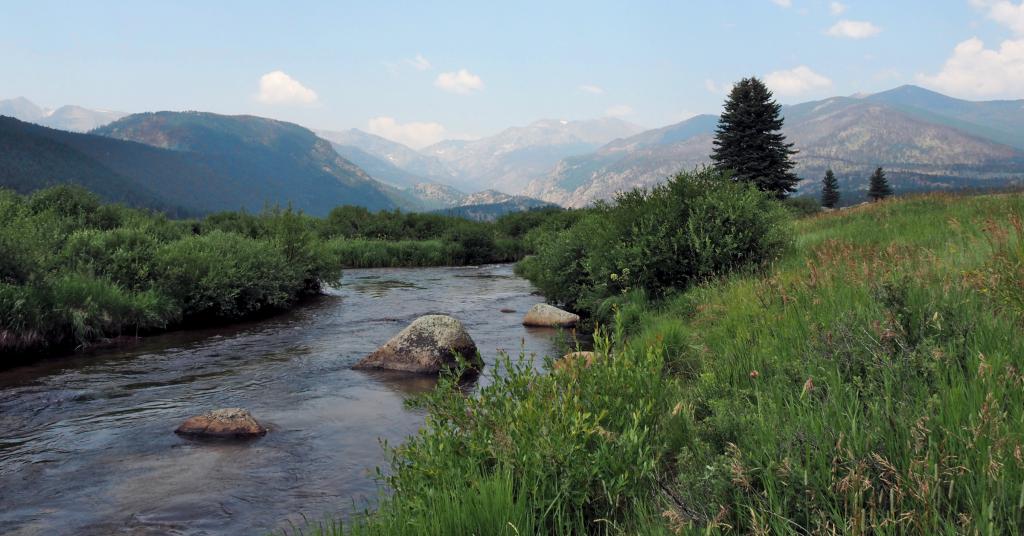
754	374
677	409
808	385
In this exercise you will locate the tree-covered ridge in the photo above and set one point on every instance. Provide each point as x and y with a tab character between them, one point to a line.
191	163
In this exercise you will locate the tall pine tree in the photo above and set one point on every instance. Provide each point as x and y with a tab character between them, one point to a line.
879	187
829	190
749	140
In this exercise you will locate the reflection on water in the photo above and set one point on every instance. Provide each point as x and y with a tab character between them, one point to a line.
87	443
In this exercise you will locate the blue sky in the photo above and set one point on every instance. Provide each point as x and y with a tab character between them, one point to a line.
418	71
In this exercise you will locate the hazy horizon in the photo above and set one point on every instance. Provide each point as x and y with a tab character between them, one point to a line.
474	70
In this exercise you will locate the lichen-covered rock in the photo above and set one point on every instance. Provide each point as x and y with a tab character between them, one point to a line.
227	422
427	346
545	315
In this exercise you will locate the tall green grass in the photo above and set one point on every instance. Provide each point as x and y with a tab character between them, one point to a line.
868	382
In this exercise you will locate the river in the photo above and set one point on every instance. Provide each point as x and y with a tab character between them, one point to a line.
87	443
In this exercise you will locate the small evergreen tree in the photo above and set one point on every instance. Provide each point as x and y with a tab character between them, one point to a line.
879	188
749	140
829	190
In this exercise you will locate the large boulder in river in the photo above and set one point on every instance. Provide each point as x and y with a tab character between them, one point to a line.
545	315
427	346
228	422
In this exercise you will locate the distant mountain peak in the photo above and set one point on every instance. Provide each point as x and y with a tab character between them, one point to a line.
68	117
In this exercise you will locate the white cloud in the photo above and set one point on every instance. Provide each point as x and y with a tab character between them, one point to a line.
976	71
836	8
783	3
854	29
620	110
415	135
462	82
592	89
419	63
1004	12
796	81
276	87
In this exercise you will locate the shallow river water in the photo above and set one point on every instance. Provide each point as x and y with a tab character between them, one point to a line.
87	443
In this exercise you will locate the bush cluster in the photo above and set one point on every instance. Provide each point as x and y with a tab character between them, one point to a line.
694	227
73	270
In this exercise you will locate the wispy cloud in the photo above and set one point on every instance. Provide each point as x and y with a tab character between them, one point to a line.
783	3
619	110
413	134
1003	12
419	63
592	89
854	29
717	89
796	81
836	8
462	82
276	87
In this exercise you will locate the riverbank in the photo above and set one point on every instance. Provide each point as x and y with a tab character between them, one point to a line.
868	381
74	271
88	443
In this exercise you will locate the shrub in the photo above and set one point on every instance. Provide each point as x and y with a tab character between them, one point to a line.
224	275
695	227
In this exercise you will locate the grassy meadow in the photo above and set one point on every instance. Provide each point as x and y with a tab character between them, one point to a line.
867	379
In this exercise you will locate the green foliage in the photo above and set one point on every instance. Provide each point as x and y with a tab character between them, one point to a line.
695	227
878	187
870	383
74	270
576	451
829	190
749	140
802	206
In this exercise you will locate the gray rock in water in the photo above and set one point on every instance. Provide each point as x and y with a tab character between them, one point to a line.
545	315
427	346
227	422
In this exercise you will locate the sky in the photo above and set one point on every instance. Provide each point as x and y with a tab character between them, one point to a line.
419	72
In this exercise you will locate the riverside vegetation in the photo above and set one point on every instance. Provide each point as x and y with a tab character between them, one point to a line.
856	372
74	270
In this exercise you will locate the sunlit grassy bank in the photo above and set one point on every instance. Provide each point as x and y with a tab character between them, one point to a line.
869	381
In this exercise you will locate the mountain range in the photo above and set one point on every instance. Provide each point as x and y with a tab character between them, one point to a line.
193	162
925	141
70	117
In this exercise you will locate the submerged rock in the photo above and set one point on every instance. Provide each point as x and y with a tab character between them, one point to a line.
545	315
507	310
426	346
227	422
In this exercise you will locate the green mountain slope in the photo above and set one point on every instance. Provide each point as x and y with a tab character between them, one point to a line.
253	161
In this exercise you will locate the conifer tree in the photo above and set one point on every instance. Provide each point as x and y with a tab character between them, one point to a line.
829	190
749	140
879	188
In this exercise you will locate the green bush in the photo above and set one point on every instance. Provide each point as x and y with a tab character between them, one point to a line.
224	275
695	227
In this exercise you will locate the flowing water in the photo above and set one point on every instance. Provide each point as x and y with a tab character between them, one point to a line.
87	443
